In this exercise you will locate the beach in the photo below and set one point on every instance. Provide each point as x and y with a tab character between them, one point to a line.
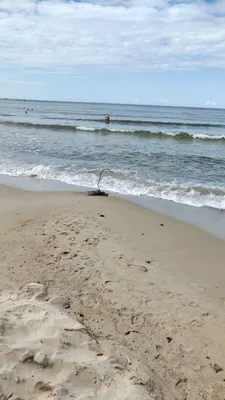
104	299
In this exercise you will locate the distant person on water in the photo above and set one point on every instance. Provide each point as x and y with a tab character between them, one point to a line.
107	118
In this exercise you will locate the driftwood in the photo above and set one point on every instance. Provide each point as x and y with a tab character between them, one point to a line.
99	192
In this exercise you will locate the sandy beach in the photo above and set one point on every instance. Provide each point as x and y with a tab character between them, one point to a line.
103	299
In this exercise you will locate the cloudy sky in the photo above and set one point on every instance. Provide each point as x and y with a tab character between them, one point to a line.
125	51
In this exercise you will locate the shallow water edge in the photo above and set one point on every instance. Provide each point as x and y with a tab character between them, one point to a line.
211	220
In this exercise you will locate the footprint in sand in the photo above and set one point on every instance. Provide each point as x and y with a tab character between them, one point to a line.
196	323
56	344
85	258
139	319
197	286
90	263
173	295
92	241
193	304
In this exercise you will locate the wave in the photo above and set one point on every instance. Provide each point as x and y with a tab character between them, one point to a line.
116	121
124	183
107	131
150	122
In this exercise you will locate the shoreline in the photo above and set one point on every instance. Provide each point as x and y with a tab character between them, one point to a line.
210	220
131	276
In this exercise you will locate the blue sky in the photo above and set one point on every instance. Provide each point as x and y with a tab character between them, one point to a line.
124	51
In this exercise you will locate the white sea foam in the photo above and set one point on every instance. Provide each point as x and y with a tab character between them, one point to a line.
178	135
200	136
85	128
124	130
123	183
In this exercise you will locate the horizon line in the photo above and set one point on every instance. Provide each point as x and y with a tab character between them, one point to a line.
108	103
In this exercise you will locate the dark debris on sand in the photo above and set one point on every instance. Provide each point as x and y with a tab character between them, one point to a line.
97	192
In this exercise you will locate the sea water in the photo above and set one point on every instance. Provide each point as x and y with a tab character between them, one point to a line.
170	153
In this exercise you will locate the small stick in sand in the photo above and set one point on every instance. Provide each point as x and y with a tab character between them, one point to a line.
128	360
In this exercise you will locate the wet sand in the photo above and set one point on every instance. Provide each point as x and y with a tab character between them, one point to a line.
211	220
148	291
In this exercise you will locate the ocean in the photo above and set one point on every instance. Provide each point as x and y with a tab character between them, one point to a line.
170	153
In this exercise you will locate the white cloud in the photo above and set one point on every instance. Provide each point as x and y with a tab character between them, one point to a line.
137	34
20	82
165	101
57	71
210	104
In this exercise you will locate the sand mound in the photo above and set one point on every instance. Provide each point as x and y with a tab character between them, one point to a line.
45	354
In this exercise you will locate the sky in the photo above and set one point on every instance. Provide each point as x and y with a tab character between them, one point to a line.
167	52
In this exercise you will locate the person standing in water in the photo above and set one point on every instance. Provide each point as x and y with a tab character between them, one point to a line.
107	118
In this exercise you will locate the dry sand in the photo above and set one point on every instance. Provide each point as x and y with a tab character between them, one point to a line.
101	299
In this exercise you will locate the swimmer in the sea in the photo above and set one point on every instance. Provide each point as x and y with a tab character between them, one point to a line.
107	118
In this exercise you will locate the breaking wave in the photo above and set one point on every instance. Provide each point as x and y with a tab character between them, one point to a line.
124	183
146	133
151	122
